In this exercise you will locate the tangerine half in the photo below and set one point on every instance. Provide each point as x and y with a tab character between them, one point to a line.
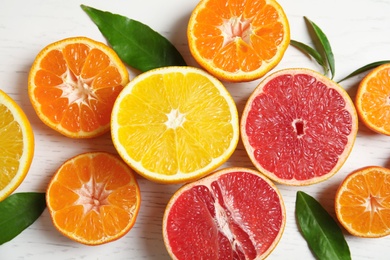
362	202
238	40
73	84
373	99
93	198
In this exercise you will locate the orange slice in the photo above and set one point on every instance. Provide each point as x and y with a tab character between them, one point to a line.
16	145
93	198
363	202
234	213
73	84
175	124
238	40
373	99
298	127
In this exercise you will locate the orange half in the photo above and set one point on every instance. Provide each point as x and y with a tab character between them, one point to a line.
93	198
238	40
363	202
373	99
73	84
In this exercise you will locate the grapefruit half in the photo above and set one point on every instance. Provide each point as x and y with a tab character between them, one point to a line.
234	213
298	127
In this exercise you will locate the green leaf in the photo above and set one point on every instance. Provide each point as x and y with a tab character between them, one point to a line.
309	50
136	44
324	45
365	68
19	211
320	230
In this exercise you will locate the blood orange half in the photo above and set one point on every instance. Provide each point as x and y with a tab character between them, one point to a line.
234	213
298	127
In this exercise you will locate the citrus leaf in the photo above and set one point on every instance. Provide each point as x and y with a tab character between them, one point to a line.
136	44
320	230
19	211
309	50
325	45
365	68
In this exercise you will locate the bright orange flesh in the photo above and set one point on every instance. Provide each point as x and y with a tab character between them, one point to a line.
298	127
238	40
373	100
93	198
234	213
363	202
73	84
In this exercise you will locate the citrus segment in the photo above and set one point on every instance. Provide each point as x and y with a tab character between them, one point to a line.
298	127
234	213
73	84
373	99
363	202
175	124
238	40
93	198
16	145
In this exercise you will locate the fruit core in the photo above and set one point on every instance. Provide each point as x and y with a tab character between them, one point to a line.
299	127
236	27
373	204
175	119
76	89
92	195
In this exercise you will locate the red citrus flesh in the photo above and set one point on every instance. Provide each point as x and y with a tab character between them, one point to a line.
235	213
298	127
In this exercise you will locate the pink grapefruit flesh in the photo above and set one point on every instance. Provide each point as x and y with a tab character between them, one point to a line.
234	213
298	127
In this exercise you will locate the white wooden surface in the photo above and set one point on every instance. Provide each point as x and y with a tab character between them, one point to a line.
359	34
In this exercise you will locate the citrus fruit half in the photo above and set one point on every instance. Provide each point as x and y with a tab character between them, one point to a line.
298	127
73	84
234	213
93	198
373	99
363	202
175	124
238	40
16	145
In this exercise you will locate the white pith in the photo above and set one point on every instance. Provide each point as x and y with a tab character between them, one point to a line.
175	119
222	219
373	204
92	195
236	27
76	89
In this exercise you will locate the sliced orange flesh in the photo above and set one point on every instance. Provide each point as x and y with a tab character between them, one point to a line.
175	124
363	202
73	84
93	198
298	127
238	40
373	99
